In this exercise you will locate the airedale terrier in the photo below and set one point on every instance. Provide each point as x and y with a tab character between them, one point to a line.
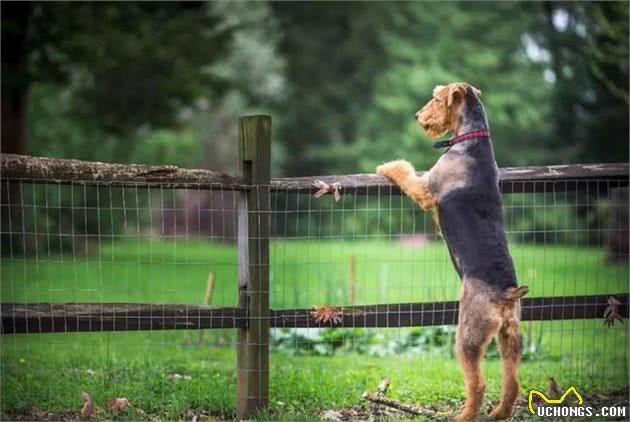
462	190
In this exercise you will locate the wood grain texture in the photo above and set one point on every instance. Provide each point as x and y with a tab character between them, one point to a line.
55	170
253	281
59	318
446	313
512	180
77	317
560	178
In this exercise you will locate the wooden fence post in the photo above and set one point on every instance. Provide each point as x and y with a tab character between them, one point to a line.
253	244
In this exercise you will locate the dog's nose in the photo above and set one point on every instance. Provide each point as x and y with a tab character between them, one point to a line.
417	115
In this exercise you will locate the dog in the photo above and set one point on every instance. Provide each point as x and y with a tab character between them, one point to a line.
462	191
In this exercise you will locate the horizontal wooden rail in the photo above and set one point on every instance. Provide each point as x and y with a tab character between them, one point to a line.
55	170
561	178
445	313
62	318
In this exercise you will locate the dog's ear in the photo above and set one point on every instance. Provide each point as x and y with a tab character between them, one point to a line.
456	93
437	89
477	91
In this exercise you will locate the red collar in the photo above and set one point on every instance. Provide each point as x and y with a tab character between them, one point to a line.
478	134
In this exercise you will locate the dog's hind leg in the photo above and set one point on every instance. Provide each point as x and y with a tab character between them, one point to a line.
510	349
479	321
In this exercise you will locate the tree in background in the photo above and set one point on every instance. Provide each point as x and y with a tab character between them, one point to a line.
121	65
437	43
334	54
357	73
588	63
163	83
254	75
99	74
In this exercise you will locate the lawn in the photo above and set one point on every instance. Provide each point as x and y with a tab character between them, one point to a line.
50	371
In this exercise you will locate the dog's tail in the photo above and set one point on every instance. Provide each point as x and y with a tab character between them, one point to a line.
513	294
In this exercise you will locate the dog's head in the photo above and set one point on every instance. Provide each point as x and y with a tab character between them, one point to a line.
443	112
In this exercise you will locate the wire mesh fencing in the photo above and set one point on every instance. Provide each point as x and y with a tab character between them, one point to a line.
377	247
76	244
105	290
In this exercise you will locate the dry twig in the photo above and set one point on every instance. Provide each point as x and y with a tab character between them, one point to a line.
408	408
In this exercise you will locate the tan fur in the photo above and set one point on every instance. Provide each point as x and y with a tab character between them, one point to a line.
404	175
483	312
510	349
440	115
417	188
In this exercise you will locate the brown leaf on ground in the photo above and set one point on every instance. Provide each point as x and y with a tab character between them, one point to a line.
88	406
325	314
117	404
611	313
40	414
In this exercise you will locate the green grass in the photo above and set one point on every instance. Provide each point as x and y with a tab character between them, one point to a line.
303	273
50	371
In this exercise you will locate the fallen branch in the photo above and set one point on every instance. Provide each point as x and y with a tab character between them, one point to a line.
381	390
414	410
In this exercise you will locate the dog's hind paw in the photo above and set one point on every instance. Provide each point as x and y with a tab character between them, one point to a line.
500	413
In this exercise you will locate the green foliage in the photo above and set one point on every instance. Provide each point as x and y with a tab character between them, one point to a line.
128	64
325	342
334	54
342	80
164	84
587	53
333	123
435	48
427	339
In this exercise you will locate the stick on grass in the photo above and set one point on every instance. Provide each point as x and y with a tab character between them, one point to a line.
408	408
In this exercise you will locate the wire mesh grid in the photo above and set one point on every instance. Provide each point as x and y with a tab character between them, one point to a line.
95	243
81	243
379	248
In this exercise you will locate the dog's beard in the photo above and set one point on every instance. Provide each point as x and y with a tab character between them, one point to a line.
435	131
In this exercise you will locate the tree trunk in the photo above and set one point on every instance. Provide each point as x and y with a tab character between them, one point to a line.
15	82
15	78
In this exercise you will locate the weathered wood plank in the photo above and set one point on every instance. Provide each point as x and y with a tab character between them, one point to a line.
557	178
513	179
61	318
253	242
69	317
445	313
54	170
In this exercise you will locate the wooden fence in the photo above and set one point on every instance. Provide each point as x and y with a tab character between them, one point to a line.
253	317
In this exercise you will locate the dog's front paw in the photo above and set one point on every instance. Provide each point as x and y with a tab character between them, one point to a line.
395	169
